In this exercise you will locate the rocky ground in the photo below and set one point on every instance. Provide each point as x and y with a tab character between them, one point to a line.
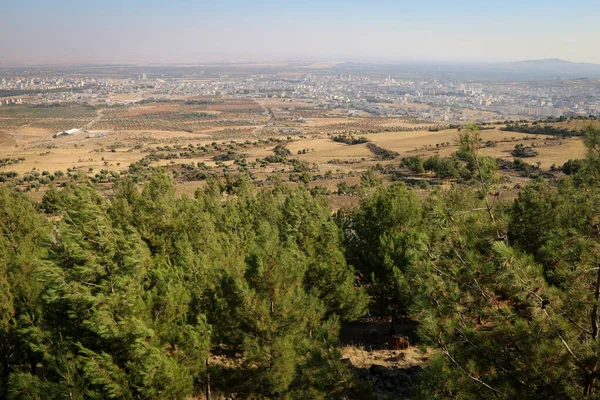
367	351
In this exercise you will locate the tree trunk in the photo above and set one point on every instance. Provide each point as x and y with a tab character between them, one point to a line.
594	314
207	381
588	389
394	310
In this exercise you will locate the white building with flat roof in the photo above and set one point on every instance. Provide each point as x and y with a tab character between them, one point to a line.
70	132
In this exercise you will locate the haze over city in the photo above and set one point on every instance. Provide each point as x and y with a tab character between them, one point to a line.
35	31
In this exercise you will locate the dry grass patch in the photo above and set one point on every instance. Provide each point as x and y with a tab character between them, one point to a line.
326	149
403	142
548	155
362	357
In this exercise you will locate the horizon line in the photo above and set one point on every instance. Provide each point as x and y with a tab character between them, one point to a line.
284	60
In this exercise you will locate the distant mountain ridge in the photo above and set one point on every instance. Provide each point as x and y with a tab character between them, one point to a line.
552	67
552	61
526	70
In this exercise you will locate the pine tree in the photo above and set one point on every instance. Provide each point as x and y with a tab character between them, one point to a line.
383	240
106	306
517	319
127	297
23	240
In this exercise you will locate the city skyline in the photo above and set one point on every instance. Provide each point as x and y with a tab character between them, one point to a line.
188	32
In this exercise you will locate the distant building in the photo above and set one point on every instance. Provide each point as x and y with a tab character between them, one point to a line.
10	101
286	131
70	132
96	135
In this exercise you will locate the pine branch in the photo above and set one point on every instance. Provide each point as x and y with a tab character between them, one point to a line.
474	378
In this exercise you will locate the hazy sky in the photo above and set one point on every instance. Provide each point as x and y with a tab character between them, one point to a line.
194	31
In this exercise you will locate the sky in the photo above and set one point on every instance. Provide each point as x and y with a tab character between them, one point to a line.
178	31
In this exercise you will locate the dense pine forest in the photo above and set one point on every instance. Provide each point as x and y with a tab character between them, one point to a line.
130	295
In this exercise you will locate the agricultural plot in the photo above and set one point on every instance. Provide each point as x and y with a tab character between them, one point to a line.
14	123
59	124
235	107
52	118
179	116
49	111
575	124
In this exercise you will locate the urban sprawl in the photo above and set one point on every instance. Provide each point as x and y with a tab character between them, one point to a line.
386	96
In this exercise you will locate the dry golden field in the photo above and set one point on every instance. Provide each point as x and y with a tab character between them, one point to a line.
197	138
